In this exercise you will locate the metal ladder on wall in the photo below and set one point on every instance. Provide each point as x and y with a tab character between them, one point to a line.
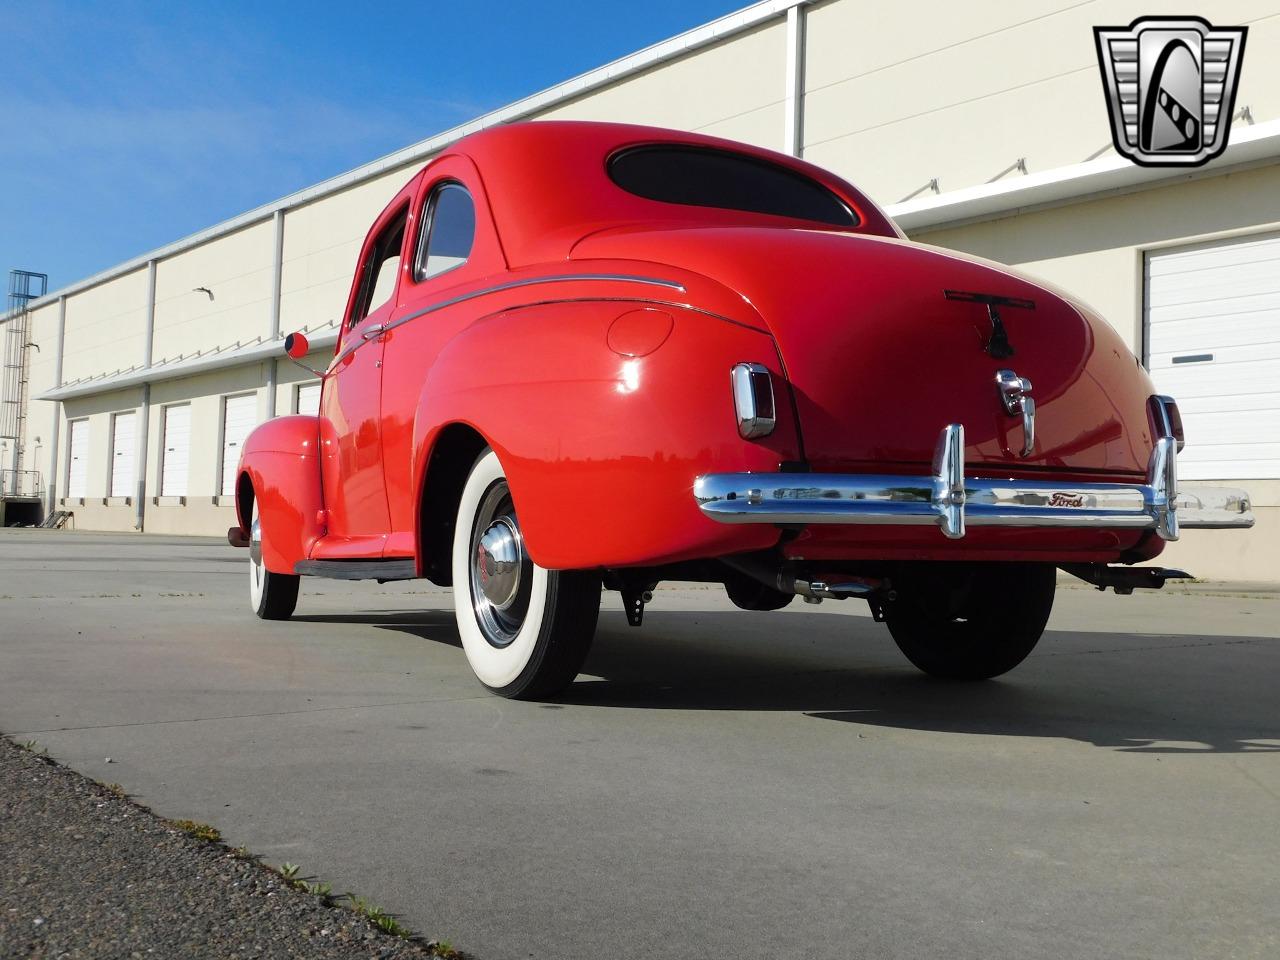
24	286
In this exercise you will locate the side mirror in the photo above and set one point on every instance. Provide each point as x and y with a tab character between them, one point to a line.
296	346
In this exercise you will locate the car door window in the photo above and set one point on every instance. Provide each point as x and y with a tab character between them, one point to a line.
448	231
378	282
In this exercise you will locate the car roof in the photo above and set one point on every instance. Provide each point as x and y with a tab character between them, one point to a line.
547	185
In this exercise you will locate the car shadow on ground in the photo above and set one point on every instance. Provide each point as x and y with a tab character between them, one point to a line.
1193	694
1167	694
438	626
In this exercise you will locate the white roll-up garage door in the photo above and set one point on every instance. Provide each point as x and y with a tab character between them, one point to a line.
176	452
123	454
309	398
77	458
1213	344
239	417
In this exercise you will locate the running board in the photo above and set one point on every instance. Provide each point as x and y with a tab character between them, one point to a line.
400	568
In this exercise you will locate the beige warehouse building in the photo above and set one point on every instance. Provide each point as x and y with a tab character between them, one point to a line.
980	127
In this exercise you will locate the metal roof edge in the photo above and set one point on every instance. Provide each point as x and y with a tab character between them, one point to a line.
160	372
730	24
1079	181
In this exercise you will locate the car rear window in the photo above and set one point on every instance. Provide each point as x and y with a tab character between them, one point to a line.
703	177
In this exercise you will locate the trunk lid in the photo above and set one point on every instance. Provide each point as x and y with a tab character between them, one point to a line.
879	359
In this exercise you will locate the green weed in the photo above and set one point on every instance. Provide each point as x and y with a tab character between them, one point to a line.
201	831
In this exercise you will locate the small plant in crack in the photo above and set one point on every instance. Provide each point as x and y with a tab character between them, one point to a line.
379	917
201	831
292	874
34	747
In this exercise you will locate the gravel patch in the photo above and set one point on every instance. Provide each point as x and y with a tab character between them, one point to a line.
85	873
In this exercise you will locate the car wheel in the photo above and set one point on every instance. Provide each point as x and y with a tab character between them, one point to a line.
970	621
526	630
273	596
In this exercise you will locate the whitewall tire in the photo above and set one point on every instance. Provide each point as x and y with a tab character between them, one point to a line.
525	630
272	596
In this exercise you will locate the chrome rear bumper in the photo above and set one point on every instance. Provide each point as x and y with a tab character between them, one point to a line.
951	501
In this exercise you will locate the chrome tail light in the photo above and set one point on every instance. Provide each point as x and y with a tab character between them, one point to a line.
753	400
1166	421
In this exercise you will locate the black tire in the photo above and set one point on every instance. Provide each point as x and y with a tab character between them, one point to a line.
526	630
970	621
279	596
272	596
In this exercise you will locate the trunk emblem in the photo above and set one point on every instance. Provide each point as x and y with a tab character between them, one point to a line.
998	346
1015	394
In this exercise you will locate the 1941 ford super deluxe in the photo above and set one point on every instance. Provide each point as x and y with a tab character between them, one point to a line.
579	356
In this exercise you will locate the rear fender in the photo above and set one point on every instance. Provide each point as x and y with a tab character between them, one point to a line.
280	469
600	448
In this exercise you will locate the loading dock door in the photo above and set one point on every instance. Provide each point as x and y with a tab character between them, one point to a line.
77	458
239	416
123	454
1213	344
176	452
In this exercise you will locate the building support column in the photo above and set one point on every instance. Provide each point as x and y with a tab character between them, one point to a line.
140	498
51	492
276	273
793	98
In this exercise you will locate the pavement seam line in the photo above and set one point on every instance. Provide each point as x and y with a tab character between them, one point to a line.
248	716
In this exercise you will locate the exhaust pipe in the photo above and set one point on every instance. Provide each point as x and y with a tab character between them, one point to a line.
819	591
813	591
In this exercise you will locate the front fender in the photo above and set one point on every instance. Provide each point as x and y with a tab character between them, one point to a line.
281	463
601	449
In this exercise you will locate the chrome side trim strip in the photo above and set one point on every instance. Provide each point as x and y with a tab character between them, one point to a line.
533	281
673	304
951	501
512	285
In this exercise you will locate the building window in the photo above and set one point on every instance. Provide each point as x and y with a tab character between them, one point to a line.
239	417
77	459
123	454
306	398
175	450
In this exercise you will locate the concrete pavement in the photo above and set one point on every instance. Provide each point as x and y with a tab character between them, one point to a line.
717	784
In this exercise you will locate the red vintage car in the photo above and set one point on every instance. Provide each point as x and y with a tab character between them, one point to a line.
579	356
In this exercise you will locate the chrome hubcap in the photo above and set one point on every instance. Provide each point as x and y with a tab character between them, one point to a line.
497	562
255	540
501	571
257	575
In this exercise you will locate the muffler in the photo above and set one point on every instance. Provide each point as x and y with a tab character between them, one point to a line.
776	577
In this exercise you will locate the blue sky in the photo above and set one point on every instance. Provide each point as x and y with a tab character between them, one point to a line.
127	125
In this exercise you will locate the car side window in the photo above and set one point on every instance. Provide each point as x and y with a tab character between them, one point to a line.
448	231
379	278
